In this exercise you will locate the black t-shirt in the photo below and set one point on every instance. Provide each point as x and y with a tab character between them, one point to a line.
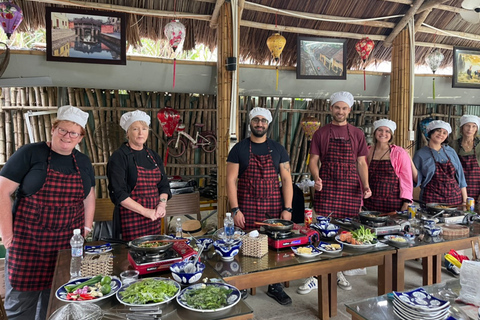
240	153
28	167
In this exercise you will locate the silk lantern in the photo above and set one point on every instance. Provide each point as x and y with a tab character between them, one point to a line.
309	126
364	47
275	43
434	59
169	119
10	16
175	33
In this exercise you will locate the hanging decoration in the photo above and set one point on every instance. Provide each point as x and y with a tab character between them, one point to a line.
175	33
10	16
434	59
309	126
364	47
275	43
169	119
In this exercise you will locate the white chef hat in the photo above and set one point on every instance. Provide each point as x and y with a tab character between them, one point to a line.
385	123
469	118
439	124
257	111
74	114
342	96
130	117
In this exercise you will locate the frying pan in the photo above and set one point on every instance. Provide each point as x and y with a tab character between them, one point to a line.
372	216
287	225
433	207
136	244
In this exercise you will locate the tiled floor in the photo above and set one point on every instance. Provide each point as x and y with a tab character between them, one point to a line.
304	307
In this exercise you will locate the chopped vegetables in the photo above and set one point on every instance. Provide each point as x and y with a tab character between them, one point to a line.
207	297
149	291
90	289
72	287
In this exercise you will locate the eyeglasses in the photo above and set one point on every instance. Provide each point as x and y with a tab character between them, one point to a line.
257	120
72	134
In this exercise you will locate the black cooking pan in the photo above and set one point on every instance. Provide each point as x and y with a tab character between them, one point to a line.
137	244
436	207
286	225
372	216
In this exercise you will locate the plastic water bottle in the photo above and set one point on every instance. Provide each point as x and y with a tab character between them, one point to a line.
229	227
178	228
77	254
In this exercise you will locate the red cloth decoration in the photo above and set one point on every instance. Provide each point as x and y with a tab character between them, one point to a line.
459	257
169	119
364	47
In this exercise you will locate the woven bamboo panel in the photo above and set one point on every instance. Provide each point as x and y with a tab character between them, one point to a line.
97	264
255	247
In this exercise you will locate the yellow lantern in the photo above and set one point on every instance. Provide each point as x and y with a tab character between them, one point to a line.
275	43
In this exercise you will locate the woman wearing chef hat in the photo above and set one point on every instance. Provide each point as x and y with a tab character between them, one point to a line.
468	150
440	173
54	185
389	171
138	184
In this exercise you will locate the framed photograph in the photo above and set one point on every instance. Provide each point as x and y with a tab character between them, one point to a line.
466	68
321	58
85	36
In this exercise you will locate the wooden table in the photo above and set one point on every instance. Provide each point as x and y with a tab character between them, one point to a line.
280	266
431	251
172	311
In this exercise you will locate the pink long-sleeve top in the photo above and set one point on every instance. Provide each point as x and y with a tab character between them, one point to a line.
402	165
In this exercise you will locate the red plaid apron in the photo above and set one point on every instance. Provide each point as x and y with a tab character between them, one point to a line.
259	196
134	225
341	191
44	224
472	175
443	188
385	187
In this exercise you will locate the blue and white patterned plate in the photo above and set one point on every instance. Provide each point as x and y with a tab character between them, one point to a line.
315	251
61	293
417	314
232	299
322	246
419	299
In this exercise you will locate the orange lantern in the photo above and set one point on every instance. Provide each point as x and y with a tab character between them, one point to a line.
309	126
364	47
275	43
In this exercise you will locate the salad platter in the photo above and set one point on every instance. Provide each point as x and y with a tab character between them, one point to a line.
361	239
75	291
306	251
209	297
148	292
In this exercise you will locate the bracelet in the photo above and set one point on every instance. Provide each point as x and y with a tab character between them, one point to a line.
288	209
88	229
234	211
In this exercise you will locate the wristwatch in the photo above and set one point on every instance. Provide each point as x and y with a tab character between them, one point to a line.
234	211
163	200
288	209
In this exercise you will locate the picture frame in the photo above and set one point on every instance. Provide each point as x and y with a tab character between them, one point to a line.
321	58
86	36
466	68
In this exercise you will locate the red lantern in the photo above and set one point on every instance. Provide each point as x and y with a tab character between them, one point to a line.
10	17
175	33
169	119
364	47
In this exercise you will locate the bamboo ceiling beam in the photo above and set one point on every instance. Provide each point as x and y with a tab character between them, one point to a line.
429	5
420	19
452	33
401	25
132	10
241	6
440	7
216	12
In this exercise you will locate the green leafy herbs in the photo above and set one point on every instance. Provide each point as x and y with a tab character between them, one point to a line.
207	297
149	291
364	235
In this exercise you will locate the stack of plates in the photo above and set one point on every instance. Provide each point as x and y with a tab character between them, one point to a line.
418	304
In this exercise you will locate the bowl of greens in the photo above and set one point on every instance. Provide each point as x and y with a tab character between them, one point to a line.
180	274
209	297
148	292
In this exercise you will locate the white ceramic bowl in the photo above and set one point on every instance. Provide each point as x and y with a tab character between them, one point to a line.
183	277
227	251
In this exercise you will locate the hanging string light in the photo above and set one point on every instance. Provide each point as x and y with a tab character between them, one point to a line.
364	47
275	43
175	33
10	17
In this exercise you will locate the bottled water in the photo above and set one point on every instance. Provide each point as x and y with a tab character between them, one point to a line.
77	254
178	228
229	227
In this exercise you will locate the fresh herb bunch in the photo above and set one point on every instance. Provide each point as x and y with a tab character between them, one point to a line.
207	297
149	291
364	235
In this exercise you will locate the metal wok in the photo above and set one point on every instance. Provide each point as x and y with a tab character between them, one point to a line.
372	216
136	244
286	225
437	207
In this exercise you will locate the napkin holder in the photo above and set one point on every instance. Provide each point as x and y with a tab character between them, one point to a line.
255	246
96	264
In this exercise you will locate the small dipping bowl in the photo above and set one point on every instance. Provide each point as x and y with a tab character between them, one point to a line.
433	232
183	277
329	230
323	220
129	276
227	251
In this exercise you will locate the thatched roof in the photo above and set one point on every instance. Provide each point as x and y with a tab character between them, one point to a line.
292	18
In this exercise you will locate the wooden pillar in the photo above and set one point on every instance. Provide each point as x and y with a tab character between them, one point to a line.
400	86
224	96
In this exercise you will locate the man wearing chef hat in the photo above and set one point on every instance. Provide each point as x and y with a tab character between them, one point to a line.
253	188
338	165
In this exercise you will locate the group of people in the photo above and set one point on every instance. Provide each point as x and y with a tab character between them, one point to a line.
54	187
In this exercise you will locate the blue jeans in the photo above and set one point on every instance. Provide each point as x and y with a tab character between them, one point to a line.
24	305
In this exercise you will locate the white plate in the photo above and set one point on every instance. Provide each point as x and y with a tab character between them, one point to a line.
321	247
392	240
61	293
315	252
419	299
355	246
167	299
232	299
